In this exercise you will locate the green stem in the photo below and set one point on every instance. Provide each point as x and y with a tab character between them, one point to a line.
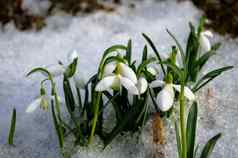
57	105
95	118
182	122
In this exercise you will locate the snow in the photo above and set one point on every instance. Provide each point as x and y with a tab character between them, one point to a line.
91	35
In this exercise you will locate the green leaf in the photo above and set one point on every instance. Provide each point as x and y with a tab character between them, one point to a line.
109	50
178	140
210	76
69	97
144	64
192	53
153	100
128	119
58	127
71	69
128	52
145	54
174	68
155	51
106	61
113	49
205	57
179	46
201	25
86	104
208	148
191	129
12	128
39	69
112	99
195	152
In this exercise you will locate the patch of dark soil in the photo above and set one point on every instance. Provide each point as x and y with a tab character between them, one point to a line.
11	10
222	13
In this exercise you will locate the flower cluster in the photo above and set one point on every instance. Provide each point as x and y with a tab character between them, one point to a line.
129	87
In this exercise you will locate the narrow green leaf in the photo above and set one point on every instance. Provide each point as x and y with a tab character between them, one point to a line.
174	68
108	51
145	52
79	99
38	69
191	129
205	57
210	76
208	148
201	25
12	128
195	152
58	128
144	64
117	109
113	49
125	122
69	97
191	54
143	112
128	52
155	51
106	61
153	100
179	46
178	140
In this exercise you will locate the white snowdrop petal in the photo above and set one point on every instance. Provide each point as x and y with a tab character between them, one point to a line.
165	98
127	72
72	55
157	83
105	83
142	85
129	85
109	68
187	92
33	106
205	44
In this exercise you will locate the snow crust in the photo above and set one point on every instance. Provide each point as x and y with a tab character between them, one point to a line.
91	35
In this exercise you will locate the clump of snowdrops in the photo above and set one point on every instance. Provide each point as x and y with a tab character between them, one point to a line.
127	86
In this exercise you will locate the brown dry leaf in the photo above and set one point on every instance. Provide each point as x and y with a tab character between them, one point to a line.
158	129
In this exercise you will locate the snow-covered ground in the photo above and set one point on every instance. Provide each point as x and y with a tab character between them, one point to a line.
90	35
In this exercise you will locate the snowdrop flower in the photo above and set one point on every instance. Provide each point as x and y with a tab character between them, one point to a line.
117	75
58	70
165	98
78	77
34	105
42	102
205	44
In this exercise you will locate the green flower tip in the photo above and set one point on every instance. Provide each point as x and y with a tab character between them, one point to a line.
169	78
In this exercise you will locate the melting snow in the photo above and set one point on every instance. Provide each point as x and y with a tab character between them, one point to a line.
90	35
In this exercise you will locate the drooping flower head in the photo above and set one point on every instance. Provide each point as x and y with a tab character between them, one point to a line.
117	75
165	98
204	42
